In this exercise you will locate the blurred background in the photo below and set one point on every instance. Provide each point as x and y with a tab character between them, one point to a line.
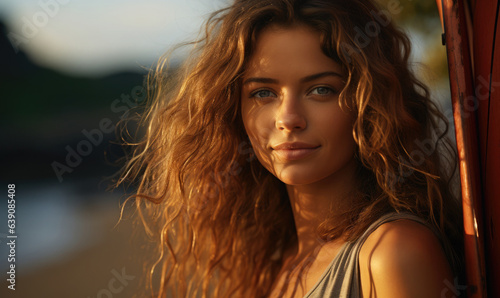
69	70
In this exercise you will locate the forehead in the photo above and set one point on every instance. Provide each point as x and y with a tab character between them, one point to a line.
293	50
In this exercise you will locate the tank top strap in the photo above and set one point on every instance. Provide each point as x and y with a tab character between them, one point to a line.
392	217
355	288
341	278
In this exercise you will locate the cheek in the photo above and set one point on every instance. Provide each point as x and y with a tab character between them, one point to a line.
258	137
259	142
256	123
249	121
337	127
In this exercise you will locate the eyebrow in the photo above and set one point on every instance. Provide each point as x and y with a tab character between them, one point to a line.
303	80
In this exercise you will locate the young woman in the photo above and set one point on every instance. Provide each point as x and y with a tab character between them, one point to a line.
296	155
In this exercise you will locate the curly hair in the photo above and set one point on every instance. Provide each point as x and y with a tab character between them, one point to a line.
210	203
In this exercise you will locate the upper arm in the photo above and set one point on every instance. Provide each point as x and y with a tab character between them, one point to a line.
403	259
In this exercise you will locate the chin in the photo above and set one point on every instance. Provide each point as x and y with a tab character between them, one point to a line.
296	178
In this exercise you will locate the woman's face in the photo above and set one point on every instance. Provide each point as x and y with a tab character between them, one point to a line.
290	108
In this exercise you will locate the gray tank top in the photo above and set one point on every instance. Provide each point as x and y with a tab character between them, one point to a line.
341	278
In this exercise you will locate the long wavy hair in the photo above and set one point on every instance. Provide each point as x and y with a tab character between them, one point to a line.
223	221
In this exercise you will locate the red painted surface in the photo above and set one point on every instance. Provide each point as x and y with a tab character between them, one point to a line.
487	83
484	32
464	102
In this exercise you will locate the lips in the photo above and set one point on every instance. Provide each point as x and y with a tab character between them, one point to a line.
294	150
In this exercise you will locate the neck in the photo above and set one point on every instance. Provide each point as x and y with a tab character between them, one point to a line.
313	203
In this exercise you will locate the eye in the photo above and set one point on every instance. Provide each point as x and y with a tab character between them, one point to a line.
322	91
262	94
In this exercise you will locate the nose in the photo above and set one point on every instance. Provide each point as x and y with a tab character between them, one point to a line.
290	116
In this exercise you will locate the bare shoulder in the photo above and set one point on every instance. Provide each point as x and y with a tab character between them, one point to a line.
403	258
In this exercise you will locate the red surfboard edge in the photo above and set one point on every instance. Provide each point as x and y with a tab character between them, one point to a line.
472	36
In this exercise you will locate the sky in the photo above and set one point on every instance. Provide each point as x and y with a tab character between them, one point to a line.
97	37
